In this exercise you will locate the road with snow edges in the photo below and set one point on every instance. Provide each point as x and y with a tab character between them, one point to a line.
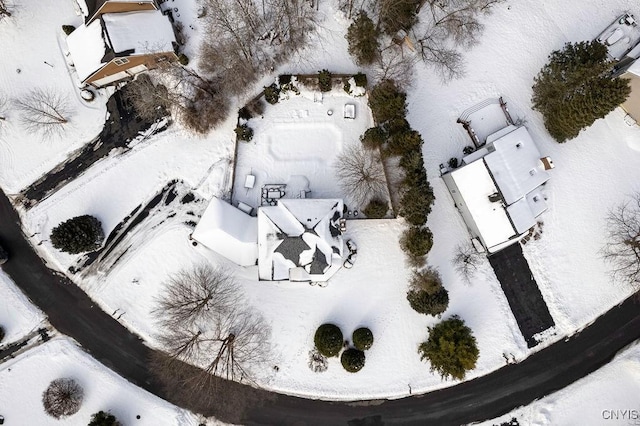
73	313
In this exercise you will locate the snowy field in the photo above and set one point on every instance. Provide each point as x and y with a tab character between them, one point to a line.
103	390
18	316
593	173
608	396
36	28
296	142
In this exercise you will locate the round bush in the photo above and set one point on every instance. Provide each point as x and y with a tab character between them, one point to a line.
352	360
272	94
183	59
62	398
362	339
416	241
373	138
427	303
376	209
328	340
244	132
78	234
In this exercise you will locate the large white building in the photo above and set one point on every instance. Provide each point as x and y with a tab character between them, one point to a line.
498	189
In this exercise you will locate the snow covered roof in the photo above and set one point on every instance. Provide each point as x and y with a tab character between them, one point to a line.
88	48
475	186
515	164
299	233
119	34
229	232
141	32
499	186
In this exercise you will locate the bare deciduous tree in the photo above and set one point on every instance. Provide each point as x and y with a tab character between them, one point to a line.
204	322
360	174
395	64
5	9
451	24
44	111
466	261
62	398
622	250
151	100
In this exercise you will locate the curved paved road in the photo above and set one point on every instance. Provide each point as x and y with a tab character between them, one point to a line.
73	313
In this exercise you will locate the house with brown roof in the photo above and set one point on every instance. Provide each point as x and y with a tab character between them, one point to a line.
115	46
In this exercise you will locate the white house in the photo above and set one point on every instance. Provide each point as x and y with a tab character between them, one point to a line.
498	189
294	240
229	232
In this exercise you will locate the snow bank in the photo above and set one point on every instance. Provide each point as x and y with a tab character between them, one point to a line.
18	316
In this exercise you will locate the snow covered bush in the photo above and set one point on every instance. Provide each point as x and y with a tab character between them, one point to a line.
362	339
362	36
102	418
376	209
78	234
426	294
328	340
352	360
62	398
450	349
272	94
575	88
318	363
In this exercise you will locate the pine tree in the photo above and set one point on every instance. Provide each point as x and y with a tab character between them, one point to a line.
362	36
451	348
103	419
575	88
78	234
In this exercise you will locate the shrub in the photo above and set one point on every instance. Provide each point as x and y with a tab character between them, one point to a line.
68	29
387	102
453	162
416	241
62	398
284	79
427	280
362	339
183	59
404	142
78	235
325	82
244	113
360	79
1	333
575	88
427	303
451	348
352	360
272	94
102	418
362	36
415	204
244	132
376	209
373	138
328	340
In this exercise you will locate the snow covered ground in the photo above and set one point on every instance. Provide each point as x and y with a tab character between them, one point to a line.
592	174
103	390
18	316
608	396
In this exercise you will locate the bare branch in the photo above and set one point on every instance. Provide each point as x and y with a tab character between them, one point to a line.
44	111
466	261
361	175
622	250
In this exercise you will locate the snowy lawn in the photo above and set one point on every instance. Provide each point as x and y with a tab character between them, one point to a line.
23	379
296	142
608	396
33	57
18	316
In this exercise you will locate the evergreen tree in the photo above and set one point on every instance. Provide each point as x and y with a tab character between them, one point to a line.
427	303
451	348
416	241
575	88
387	102
362	36
78	234
103	419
